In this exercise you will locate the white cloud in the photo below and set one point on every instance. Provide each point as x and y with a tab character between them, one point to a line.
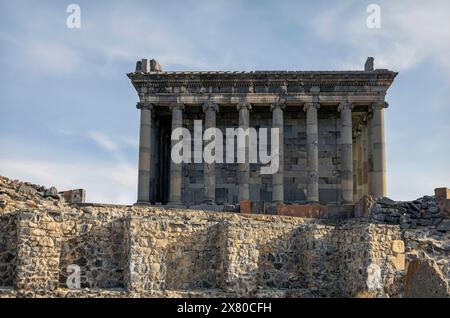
103	141
411	32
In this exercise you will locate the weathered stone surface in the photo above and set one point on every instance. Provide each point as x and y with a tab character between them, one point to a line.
362	207
303	210
245	206
424	279
420	212
444	226
74	196
386	201
398	261
147	251
398	246
443	200
52	192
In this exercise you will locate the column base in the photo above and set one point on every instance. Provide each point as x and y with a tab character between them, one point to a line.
207	207
147	203
175	205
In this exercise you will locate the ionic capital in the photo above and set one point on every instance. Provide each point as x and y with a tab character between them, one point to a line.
345	105
243	105
280	103
306	106
176	106
210	106
144	105
379	105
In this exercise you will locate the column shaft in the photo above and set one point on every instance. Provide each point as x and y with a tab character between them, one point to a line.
176	169
359	164
244	168
345	145
144	152
312	151
209	169
378	150
365	165
278	177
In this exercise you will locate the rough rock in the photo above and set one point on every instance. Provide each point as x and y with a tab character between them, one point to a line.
424	279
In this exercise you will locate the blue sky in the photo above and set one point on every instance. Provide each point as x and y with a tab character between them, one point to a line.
67	109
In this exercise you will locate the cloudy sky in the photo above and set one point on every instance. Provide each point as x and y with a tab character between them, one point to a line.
67	109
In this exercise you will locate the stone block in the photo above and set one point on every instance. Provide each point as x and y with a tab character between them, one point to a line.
362	207
442	193
316	211
398	261
398	246
258	207
245	206
74	196
328	195
442	196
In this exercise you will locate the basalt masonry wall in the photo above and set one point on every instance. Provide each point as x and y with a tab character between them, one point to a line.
142	251
8	246
295	168
151	252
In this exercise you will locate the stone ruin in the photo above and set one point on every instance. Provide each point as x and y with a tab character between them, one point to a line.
321	226
149	251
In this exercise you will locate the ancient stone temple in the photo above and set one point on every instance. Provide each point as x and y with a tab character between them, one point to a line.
331	123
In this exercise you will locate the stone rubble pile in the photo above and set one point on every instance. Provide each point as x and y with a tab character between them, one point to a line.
15	194
409	214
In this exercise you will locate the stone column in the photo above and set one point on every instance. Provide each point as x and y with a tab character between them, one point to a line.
176	169
354	165
244	168
365	165
144	152
312	151
369	154
209	169
277	178
359	163
345	145
378	179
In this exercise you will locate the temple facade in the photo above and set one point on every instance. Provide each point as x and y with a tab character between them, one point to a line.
331	124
